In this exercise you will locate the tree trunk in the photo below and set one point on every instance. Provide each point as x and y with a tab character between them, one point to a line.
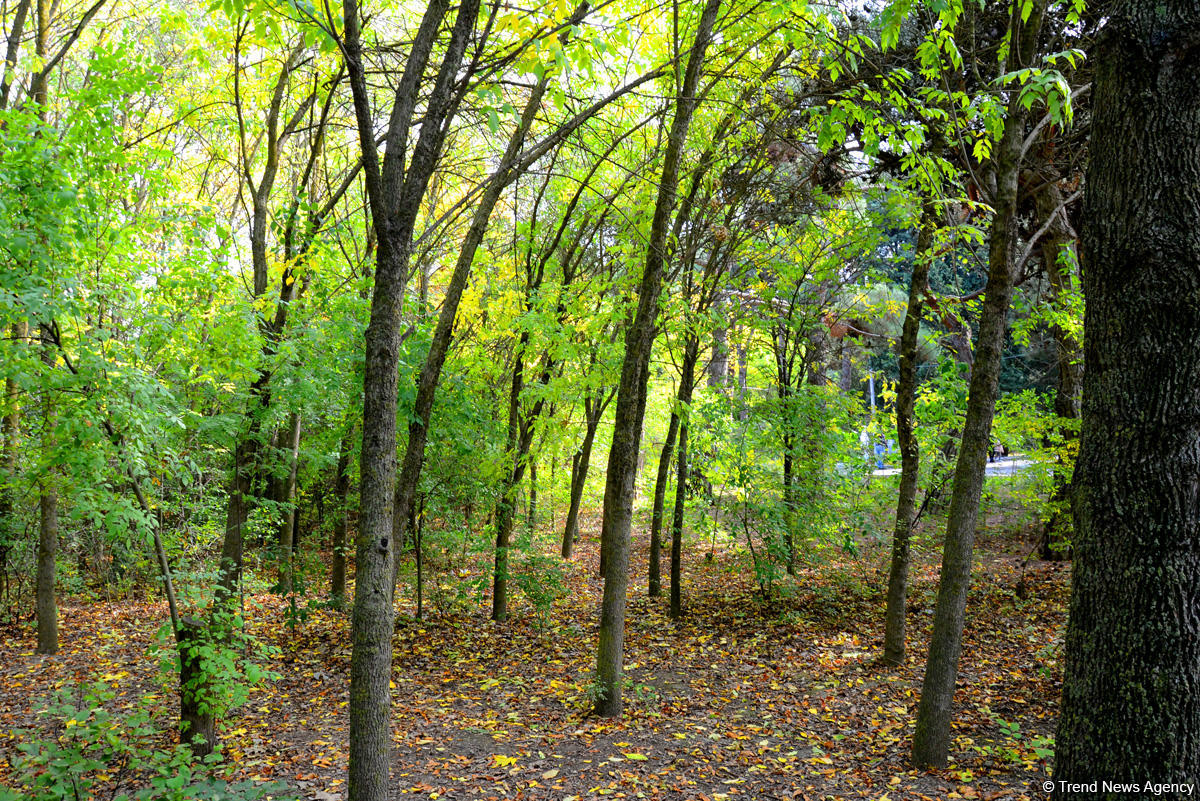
579	469
1059	243
47	609
627	427
931	739
197	727
337	573
395	191
506	507
687	382
1131	689
681	467
532	516
660	495
287	495
9	526
906	438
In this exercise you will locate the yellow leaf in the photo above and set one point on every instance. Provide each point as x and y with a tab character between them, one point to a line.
550	774
637	757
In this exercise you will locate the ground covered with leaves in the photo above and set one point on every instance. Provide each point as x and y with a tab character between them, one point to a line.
746	697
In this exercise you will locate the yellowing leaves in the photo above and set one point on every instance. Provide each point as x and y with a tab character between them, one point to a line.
502	761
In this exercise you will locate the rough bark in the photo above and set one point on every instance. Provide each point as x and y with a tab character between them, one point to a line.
594	410
47	608
627	427
931	739
660	496
1131	688
394	194
910	458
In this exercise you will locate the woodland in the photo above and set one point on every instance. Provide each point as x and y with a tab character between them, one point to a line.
626	399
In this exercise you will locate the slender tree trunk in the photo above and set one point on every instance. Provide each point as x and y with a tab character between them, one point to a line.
627	428
47	608
337	572
532	495
660	495
910	457
1059	243
687	381
9	524
506	507
1131	688
579	471
931	740
509	169
287	495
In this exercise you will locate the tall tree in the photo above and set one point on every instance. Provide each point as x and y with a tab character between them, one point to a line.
395	189
631	393
906	437
1131	690
931	740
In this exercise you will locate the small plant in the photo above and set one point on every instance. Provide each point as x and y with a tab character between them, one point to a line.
84	749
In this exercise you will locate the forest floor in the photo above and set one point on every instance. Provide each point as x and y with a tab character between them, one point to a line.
742	699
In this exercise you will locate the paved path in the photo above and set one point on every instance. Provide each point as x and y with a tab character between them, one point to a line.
1004	466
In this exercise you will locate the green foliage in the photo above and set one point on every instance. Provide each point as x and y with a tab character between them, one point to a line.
230	661
83	748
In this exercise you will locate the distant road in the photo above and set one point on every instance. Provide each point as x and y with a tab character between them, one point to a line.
1004	466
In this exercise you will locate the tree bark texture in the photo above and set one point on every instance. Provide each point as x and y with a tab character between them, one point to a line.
931	739
627	426
395	194
1131	689
910	458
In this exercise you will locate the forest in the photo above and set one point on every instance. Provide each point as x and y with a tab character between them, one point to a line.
616	398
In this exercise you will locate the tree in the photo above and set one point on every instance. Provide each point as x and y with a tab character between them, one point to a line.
1131	702
631	392
910	455
931	740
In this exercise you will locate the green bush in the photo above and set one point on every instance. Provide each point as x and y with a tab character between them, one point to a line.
83	749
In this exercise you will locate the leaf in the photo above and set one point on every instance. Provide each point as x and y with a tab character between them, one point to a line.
637	757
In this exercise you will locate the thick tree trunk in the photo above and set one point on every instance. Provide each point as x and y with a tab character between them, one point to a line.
47	608
395	191
931	739
1131	689
197	727
627	427
337	572
660	497
910	461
